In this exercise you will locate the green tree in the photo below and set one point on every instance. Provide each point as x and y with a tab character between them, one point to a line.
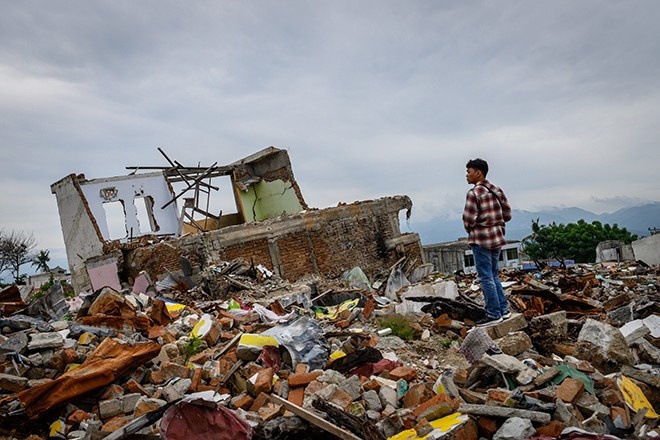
575	241
41	260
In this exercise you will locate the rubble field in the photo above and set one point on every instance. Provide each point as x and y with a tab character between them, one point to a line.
232	351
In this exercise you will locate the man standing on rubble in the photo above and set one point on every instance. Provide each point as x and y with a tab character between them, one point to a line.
484	216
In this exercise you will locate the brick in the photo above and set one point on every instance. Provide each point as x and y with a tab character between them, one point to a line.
260	401
264	381
405	373
466	431
371	342
176	370
422	428
585	367
487	426
77	416
314	387
296	380
416	394
369	307
157	376
115	423
13	383
132	386
112	392
341	398
302	368
436	411
552	429
244	401
199	358
617	411
371	385
146	405
435	400
70	356
497	396
196	378
611	398
296	395
226	322
460	377
570	390
270	411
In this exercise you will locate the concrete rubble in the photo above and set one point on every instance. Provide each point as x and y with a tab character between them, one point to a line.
162	337
272	350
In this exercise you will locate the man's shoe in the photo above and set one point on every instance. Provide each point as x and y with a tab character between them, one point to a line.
507	315
487	320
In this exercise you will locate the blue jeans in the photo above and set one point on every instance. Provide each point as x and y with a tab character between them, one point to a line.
486	262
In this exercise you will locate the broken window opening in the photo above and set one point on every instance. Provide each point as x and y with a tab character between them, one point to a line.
512	254
203	211
145	214
115	218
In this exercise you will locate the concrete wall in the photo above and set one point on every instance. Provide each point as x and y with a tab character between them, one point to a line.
126	190
265	200
647	249
327	242
81	233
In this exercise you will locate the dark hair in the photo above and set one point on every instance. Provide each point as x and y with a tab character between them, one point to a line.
478	164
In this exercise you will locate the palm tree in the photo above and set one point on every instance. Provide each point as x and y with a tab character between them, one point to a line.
41	261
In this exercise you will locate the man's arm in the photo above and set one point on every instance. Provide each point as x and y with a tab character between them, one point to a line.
506	208
470	212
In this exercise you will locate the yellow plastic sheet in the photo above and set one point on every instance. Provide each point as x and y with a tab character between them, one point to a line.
634	397
332	312
257	341
445	424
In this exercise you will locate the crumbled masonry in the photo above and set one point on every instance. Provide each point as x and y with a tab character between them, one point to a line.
280	321
269	358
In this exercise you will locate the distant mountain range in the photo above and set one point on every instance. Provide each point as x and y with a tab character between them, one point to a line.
637	220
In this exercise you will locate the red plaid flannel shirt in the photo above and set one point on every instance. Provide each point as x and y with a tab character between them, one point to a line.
484	216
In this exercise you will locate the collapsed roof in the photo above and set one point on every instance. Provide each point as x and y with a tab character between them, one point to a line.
271	225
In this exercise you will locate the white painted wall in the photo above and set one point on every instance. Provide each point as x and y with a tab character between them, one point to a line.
126	189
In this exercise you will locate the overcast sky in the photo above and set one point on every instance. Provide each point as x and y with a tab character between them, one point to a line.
370	98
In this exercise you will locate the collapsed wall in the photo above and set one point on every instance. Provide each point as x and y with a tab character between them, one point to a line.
326	242
273	225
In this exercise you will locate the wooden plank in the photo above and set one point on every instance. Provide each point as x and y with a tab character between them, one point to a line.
135	425
314	419
228	346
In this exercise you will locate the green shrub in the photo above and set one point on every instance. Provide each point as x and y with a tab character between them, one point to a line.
399	325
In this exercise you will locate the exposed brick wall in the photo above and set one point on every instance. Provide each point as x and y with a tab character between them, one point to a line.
155	260
327	241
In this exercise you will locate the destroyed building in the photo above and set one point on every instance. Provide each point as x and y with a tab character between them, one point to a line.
393	356
453	256
272	224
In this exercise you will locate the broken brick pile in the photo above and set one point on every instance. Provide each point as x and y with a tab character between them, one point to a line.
579	358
